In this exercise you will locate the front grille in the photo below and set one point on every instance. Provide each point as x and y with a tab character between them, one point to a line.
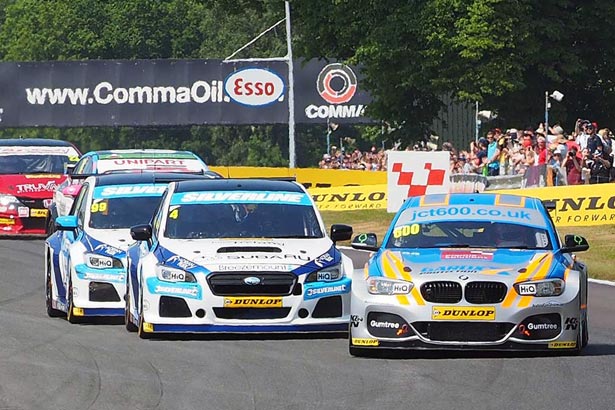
251	314
328	307
103	292
32	223
173	307
269	283
485	292
463	331
441	292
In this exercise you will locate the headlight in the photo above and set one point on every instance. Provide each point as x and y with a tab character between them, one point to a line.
169	274
383	286
96	261
6	200
552	287
328	274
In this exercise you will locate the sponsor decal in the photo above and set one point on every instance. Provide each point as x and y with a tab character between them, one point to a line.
47	202
355	320
253	302
176	290
129	190
23	211
546	326
467	269
463	313
448	254
240	197
180	262
107	249
148	161
563	345
342	198
387	325
317	292
7	221
108	277
527	289
270	257
48	186
254	268
323	260
254	87
571	323
547	304
365	342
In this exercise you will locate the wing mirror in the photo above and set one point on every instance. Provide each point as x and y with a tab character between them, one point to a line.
575	243
365	241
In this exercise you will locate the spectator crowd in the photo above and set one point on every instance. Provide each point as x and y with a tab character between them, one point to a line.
583	156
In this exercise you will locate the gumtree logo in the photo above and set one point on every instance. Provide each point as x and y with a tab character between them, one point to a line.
329	89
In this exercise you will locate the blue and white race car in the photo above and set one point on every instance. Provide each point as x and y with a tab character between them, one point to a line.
470	271
237	256
85	260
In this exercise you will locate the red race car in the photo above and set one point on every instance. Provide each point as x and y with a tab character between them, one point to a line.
30	170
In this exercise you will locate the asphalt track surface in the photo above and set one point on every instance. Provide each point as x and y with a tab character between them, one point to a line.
48	363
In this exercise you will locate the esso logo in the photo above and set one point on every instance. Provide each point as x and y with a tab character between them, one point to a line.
254	86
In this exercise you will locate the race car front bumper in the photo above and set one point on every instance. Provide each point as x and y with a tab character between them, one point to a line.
98	292
193	308
381	322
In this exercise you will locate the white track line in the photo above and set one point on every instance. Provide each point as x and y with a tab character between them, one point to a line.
598	281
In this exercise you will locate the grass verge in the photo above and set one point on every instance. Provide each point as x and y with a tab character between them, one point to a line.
599	257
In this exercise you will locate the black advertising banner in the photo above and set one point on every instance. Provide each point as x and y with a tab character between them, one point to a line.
329	90
175	92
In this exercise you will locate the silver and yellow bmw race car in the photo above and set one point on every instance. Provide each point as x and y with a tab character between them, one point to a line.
470	271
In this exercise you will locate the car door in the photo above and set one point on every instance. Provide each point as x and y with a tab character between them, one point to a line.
70	237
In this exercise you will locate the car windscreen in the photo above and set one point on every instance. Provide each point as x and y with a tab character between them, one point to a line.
468	234
122	206
33	164
242	220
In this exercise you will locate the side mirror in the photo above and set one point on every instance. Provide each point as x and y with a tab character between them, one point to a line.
71	190
340	232
141	232
575	243
69	168
66	223
365	241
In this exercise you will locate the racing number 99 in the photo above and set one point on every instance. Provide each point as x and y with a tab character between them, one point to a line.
406	230
99	207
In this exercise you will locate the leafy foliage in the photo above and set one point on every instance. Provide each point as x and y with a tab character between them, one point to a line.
504	54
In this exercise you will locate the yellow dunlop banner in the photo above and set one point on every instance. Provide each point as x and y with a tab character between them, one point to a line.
308	177
576	205
349	198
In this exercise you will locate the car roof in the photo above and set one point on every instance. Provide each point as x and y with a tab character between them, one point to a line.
29	142
144	151
148	178
483	198
237	184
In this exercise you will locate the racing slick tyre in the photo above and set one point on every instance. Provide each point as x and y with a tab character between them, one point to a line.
129	325
70	316
51	312
141	332
50	227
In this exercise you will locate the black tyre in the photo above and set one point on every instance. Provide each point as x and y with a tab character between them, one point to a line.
129	325
51	312
70	316
141	332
